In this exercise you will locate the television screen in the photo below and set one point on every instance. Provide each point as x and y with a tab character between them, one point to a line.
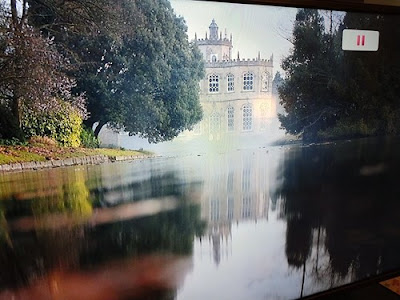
268	137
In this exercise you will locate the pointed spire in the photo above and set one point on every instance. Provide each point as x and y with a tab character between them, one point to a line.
231	37
259	55
206	35
220	36
272	58
213	30
195	36
238	56
226	34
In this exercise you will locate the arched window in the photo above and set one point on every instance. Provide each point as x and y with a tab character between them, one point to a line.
215	123
248	81
247	117
231	118
214	58
231	83
265	79
213	83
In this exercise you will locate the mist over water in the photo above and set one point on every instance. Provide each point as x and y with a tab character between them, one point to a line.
223	142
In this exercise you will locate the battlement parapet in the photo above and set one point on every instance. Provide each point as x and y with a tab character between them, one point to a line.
239	63
220	42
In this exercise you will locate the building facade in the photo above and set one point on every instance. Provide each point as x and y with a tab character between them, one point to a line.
236	94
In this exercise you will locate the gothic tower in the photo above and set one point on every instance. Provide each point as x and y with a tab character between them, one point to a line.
213	31
215	47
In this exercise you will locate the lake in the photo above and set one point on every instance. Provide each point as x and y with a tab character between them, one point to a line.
264	223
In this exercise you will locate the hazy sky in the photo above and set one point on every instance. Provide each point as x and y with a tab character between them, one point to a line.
254	27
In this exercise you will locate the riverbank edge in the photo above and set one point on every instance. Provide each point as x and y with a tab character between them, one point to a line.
73	161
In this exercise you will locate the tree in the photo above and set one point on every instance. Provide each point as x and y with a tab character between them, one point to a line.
150	79
160	85
330	93
141	76
65	18
371	78
310	94
32	72
277	82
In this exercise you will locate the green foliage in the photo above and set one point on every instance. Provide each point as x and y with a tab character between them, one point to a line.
348	128
64	126
12	142
176	67
88	139
371	79
143	77
158	91
329	93
33	73
309	94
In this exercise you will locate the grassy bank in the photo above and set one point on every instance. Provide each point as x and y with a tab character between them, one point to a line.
19	154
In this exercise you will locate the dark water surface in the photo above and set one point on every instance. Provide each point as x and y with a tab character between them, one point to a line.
268	223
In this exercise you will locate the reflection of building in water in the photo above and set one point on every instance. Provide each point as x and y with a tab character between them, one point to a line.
236	94
236	188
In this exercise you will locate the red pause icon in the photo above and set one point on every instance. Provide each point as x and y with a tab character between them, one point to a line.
360	40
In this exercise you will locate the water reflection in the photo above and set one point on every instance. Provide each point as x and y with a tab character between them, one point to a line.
81	222
236	188
341	201
247	224
338	203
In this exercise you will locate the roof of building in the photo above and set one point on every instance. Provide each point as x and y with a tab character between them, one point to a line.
213	24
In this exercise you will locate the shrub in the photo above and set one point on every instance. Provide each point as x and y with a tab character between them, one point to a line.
349	128
64	125
12	142
88	139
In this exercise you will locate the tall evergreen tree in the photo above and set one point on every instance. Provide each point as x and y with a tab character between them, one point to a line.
309	94
330	93
371	78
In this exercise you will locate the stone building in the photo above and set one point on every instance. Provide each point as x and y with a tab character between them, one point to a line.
236	94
